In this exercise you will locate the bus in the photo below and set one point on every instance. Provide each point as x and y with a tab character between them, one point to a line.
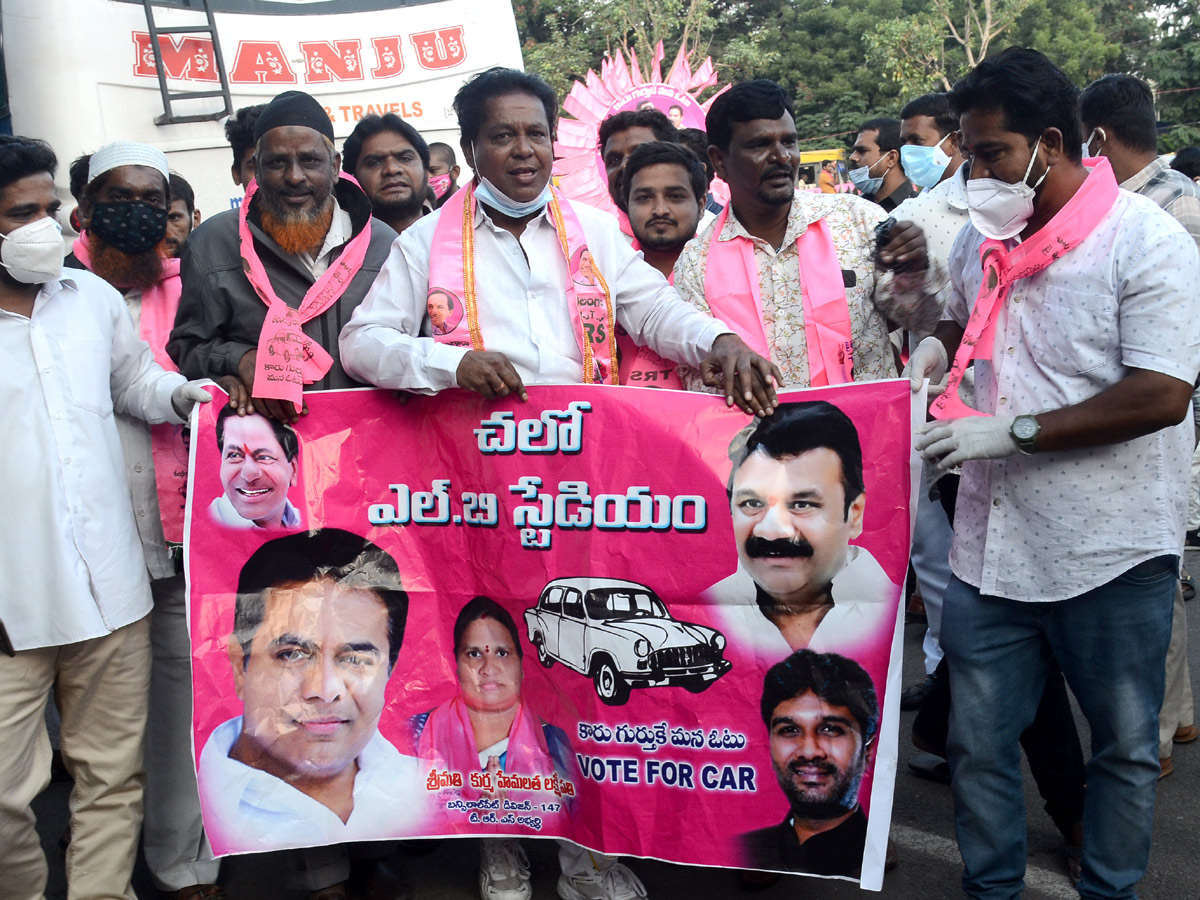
810	166
83	73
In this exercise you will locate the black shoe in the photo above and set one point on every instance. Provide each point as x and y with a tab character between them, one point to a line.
914	695
1192	539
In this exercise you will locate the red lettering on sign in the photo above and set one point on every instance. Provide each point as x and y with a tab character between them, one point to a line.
387	55
440	49
327	60
188	58
261	62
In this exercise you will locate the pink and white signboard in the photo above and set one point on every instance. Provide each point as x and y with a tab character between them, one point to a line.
635	619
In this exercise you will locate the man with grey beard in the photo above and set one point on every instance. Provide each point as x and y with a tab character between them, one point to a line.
822	717
304	239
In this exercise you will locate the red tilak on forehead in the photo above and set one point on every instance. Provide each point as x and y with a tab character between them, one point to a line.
246	450
487	649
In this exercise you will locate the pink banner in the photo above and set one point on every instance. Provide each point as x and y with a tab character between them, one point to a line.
638	620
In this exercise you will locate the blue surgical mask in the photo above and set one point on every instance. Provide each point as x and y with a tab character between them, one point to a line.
488	193
863	180
924	166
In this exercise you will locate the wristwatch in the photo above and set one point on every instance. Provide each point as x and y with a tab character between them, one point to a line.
1024	431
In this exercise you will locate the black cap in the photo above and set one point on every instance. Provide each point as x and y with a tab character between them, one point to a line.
293	108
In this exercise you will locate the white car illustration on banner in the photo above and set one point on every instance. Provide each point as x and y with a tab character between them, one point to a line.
620	635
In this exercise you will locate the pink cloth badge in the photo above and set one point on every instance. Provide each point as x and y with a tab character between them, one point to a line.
452	272
448	741
731	267
1002	268
287	358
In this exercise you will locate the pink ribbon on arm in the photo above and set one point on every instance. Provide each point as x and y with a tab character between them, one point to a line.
732	273
1002	268
287	358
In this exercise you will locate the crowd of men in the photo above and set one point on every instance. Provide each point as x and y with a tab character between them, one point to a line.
1019	243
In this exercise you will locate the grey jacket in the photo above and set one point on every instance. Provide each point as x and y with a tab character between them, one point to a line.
220	316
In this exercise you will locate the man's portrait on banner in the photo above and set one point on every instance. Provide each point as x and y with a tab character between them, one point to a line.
317	628
259	462
797	499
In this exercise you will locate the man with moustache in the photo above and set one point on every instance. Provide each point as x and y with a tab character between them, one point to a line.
312	251
822	717
182	216
662	191
390	161
304	248
826	295
797	498
618	136
124	212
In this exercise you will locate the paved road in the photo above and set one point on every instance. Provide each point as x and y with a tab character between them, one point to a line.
922	831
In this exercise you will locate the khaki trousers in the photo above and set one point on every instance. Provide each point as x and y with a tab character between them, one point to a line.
1177	709
101	687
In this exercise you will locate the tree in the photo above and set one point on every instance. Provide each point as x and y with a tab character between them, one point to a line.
1173	66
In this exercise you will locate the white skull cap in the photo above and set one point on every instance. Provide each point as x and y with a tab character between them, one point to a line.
126	153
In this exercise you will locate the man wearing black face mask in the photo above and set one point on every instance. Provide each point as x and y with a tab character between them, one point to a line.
124	210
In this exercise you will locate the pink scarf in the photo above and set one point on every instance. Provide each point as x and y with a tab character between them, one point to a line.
1002	268
641	366
732	271
452	273
160	302
448	742
287	358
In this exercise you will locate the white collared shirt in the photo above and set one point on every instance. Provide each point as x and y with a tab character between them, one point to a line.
1059	523
71	561
941	211
246	809
523	309
340	231
864	603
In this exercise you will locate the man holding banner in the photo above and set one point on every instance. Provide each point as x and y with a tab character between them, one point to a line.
1085	335
804	278
266	288
513	252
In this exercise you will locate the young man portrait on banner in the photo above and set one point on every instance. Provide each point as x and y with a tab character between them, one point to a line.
318	624
822	717
797	499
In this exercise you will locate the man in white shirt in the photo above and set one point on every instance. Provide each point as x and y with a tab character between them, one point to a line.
524	310
318	625
523	316
74	592
797	499
1085	337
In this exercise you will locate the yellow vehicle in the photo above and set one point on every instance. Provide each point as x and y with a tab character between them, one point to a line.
810	166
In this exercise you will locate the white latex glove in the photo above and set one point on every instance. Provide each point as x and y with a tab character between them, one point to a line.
928	361
187	395
949	443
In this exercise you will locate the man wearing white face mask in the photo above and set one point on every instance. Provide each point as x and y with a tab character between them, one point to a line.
875	167
74	592
1077	303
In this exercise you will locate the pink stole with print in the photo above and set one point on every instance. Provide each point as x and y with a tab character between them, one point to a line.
452	274
160	302
287	358
1002	268
448	742
732	272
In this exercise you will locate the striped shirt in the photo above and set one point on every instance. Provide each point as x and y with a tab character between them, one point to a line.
1173	191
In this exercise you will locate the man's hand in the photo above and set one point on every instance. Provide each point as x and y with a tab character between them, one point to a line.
949	443
239	396
280	410
488	372
905	251
745	376
186	396
928	361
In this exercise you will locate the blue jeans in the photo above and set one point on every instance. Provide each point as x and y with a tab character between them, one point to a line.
1111	644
